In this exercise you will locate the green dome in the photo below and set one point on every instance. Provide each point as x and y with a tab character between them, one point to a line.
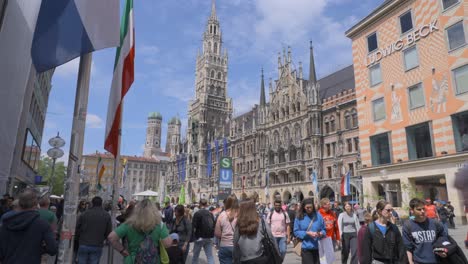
156	115
174	121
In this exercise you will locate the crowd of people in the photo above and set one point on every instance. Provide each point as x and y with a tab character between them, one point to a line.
238	231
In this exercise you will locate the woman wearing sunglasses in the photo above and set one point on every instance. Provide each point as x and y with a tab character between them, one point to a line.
382	242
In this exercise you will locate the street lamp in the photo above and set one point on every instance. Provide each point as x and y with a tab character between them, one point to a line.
55	152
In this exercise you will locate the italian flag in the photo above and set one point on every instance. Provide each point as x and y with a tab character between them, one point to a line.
122	80
100	169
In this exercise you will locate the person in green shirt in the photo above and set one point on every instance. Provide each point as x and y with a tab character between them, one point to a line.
143	220
46	214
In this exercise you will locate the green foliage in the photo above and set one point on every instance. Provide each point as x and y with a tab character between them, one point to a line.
45	170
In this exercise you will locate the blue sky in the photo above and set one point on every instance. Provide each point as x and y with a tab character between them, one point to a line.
168	35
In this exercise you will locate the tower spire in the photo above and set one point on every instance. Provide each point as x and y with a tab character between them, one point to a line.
213	10
262	92
312	74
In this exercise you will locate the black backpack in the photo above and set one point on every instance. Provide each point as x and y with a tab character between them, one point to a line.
207	224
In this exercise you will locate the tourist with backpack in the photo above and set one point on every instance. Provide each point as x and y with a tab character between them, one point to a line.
145	233
203	229
382	242
182	227
420	234
278	220
348	224
224	230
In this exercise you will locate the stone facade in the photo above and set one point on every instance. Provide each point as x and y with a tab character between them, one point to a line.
304	125
142	173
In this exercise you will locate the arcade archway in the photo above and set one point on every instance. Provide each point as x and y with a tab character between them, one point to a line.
327	192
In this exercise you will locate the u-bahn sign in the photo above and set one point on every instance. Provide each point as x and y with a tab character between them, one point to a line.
225	178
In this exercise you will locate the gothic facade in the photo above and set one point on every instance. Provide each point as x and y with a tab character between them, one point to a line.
306	125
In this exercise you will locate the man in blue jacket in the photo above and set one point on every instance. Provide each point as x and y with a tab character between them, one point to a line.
419	235
25	236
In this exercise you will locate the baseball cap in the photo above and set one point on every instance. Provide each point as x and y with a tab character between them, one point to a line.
174	236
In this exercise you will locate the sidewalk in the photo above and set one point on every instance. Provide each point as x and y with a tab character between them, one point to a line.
458	234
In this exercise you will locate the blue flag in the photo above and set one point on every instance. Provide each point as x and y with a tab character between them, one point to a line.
208	160
225	147
217	150
66	29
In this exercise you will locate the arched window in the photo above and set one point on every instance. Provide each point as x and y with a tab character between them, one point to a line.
354	117
211	29
215	46
327	125
293	108
219	76
347	120
297	133
212	74
332	124
215	30
298	106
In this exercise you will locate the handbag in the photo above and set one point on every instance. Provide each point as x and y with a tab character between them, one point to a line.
269	249
163	256
298	246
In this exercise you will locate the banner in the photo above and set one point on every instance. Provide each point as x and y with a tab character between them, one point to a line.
208	160
225	147
217	150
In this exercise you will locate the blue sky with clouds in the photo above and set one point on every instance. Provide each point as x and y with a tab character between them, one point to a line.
168	35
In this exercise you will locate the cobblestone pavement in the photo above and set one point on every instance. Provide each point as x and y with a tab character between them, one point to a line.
458	234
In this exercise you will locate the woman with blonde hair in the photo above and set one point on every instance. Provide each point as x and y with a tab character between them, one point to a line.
224	229
144	222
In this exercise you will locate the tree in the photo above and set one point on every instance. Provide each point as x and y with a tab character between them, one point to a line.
45	170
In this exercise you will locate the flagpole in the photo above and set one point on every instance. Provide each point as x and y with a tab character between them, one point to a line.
72	183
115	182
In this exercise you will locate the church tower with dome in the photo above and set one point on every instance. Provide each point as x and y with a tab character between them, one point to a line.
153	135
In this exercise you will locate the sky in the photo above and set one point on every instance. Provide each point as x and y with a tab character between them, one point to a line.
168	34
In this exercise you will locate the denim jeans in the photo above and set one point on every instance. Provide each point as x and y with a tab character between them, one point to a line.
207	245
281	242
89	254
225	255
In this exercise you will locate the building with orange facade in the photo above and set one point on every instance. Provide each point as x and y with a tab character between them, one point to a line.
411	70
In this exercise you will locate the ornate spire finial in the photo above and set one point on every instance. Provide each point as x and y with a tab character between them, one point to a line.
262	92
213	10
312	74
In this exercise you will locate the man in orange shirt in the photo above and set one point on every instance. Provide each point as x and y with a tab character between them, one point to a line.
431	210
330	220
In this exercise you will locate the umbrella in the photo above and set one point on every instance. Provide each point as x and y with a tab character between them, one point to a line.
146	193
182	195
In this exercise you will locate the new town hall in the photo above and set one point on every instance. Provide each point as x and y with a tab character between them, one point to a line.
306	124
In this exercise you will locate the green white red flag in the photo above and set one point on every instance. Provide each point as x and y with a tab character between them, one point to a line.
122	80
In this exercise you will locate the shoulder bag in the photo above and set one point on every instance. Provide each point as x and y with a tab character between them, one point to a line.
298	247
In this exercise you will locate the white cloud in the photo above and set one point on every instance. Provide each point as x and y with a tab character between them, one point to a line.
245	96
180	89
148	49
93	121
